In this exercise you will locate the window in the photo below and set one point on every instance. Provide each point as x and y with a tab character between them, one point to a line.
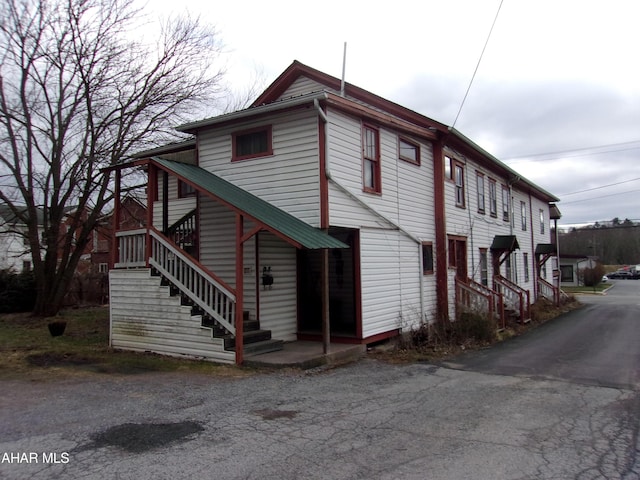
480	187
484	267
185	190
505	204
251	143
371	159
409	151
458	170
542	221
427	258
452	252
103	267
525	259
26	266
566	273
493	198
523	215
447	168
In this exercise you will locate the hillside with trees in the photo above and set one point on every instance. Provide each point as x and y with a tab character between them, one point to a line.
614	243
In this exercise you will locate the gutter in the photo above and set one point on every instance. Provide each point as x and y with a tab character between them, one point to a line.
346	191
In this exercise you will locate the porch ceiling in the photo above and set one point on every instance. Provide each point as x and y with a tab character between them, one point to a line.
274	219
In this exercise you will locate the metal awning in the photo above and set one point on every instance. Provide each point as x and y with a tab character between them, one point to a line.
290	228
545	249
505	242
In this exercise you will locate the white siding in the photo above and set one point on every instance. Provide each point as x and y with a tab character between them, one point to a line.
381	286
145	317
301	86
278	305
289	179
217	240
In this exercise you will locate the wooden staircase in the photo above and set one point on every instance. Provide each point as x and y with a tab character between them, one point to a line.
255	339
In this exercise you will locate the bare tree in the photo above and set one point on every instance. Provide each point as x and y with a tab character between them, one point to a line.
79	92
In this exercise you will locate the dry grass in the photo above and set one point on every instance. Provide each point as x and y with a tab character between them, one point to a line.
431	343
27	350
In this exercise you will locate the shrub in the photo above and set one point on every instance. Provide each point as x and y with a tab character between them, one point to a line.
17	291
592	276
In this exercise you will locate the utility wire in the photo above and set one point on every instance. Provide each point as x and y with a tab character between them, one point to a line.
598	188
601	196
576	150
477	65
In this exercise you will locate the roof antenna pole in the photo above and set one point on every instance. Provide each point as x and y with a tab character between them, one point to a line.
344	66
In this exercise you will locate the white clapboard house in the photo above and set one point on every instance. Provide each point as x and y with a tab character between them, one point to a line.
322	211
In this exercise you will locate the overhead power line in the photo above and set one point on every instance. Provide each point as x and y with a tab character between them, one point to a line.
598	188
578	152
601	196
477	65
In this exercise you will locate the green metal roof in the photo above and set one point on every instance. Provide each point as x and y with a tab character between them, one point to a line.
274	219
505	242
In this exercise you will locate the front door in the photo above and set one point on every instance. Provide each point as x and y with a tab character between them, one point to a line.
342	291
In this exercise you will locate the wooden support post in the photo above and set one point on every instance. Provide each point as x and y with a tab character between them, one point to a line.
239	289
116	220
152	194
165	202
326	323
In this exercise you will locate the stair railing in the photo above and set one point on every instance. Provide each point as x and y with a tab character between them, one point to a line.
207	292
515	297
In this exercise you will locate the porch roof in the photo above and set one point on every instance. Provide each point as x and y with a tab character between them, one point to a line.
274	219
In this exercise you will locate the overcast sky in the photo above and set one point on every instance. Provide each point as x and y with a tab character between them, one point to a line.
556	96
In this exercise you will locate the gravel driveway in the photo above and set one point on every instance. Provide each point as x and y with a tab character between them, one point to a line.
368	420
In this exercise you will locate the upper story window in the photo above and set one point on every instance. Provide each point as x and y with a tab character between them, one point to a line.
371	175
523	215
251	143
480	187
493	198
458	174
447	168
542	221
408	151
185	190
505	204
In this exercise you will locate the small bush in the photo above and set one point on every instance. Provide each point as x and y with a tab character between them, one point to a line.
592	276
17	291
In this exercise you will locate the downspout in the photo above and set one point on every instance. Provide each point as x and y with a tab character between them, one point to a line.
533	249
327	172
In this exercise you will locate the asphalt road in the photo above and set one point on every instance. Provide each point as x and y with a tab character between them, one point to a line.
598	344
516	412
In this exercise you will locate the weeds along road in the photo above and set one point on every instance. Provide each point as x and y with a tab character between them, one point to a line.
541	415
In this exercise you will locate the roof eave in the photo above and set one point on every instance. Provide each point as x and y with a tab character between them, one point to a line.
307	98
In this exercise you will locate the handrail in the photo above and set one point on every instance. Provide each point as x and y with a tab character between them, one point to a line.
516	296
545	287
210	295
496	298
474	299
131	248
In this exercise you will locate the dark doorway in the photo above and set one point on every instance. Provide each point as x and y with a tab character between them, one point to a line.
342	290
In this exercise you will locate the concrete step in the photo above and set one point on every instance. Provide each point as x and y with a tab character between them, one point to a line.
264	346
254	336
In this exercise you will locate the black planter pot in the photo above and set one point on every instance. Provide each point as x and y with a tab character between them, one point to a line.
57	328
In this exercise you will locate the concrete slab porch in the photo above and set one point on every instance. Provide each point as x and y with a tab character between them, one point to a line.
306	355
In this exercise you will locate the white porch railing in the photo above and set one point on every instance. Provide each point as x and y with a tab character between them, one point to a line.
477	297
548	291
132	248
205	291
515	297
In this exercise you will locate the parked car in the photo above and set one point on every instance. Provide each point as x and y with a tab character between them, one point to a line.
605	279
625	275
